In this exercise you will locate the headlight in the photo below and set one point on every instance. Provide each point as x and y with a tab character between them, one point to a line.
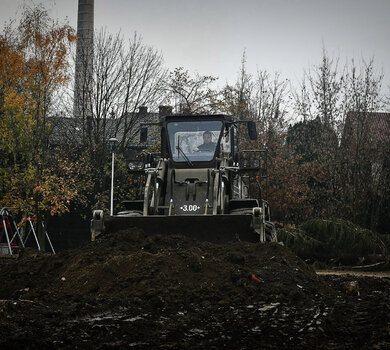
136	166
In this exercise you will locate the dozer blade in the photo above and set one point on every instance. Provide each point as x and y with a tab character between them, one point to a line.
211	228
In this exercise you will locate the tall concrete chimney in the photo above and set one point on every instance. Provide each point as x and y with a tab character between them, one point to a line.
84	64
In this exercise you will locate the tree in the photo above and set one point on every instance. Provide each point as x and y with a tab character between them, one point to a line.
33	67
122	79
264	98
363	153
306	141
236	99
192	95
336	137
322	92
321	104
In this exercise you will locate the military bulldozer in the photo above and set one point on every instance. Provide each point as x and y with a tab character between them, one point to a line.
199	184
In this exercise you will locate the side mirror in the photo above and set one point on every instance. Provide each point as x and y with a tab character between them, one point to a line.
143	135
252	132
149	158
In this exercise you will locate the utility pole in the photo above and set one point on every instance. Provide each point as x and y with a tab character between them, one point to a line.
113	142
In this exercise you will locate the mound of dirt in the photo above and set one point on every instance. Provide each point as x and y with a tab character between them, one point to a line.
128	267
172	292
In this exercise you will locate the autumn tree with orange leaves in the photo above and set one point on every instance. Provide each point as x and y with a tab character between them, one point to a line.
33	68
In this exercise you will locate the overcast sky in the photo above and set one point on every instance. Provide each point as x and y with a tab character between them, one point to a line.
209	36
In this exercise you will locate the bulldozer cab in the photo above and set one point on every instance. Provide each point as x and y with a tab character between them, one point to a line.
196	181
193	148
191	143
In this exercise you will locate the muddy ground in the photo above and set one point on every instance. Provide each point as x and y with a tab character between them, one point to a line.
130	291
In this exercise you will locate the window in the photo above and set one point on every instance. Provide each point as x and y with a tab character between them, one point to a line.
193	141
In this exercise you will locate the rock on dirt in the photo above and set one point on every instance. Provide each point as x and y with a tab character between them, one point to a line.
132	291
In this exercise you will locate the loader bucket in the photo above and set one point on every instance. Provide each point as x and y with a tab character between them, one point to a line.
210	228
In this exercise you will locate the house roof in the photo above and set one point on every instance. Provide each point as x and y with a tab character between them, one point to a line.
372	127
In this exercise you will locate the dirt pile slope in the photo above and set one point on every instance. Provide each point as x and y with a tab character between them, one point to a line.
130	267
130	291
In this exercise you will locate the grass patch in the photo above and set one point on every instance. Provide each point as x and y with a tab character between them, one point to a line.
336	242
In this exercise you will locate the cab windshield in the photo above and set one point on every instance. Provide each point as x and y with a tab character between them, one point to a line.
193	141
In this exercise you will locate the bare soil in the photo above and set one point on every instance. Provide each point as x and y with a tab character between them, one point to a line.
132	291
